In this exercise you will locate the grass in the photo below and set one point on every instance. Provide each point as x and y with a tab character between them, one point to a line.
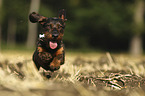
83	74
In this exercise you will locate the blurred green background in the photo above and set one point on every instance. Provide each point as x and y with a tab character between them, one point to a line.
100	25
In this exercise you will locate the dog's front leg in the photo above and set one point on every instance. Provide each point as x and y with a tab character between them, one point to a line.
57	60
45	56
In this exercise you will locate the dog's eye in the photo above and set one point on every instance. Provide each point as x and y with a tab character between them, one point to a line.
49	25
59	26
44	25
61	31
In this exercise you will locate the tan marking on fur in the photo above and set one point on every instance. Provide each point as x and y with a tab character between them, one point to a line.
59	51
40	49
62	17
48	35
55	63
41	18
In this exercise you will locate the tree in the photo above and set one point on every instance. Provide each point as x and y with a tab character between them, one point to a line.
0	23
11	34
14	21
136	45
32	28
97	22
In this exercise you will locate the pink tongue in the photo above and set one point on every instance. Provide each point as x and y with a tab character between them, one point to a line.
52	45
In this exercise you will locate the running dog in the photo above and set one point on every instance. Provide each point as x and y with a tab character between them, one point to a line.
49	53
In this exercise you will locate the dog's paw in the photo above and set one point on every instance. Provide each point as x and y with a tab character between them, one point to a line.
54	67
45	56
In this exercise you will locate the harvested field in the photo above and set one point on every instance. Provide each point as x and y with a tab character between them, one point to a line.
83	74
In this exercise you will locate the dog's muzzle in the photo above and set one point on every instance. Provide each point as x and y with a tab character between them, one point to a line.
55	34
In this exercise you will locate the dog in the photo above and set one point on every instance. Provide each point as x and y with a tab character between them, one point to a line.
49	53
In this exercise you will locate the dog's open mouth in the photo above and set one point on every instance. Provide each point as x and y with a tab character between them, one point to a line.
53	45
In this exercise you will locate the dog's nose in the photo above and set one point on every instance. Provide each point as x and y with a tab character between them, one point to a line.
54	35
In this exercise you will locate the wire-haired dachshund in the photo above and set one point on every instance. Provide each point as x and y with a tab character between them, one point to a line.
49	53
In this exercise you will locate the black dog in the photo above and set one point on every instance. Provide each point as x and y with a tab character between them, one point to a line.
49	53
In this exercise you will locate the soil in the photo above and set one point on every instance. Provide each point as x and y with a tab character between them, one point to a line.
87	83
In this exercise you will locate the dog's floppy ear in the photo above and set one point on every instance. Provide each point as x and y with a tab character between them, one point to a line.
34	17
62	15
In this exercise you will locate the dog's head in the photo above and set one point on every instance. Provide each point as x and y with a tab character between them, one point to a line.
53	27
